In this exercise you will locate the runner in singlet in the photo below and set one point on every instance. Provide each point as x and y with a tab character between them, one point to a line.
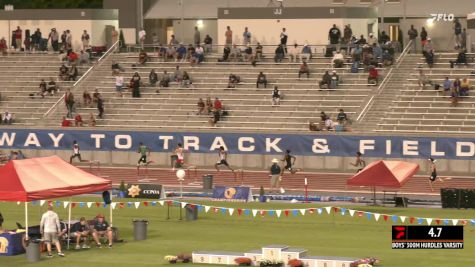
433	173
144	152
289	162
359	163
222	159
76	153
180	156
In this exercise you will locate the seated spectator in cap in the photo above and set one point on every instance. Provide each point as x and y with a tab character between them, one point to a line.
294	53
259	50
338	60
201	107
304	69
143	57
335	80
275	96
326	80
101	229
78	120
80	230
261	79
7	118
181	53
233	80
63	73
279	54
306	53
235	52
65	122
373	76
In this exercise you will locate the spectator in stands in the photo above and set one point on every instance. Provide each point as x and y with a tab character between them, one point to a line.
119	85
215	119
329	124
454	95
457	83
197	36
162	52
66	122
335	80
72	57
142	37
201	106
235	52
27	41
412	33
361	41
423	79
208	41
294	52
7	118
226	52
304	69
200	53
447	85
233	80
384	38
18	37
246	37
3	46
377	51
373	75
275	96
186	81
356	54
423	36
135	85
334	35
164	80
69	40
84	57
347	33
73	72
326	80
85	40
248	56
209	105
63	73
323	116
173	41
261	79
152	78
86	98
143	57
63	41
171	53
92	120
279	54
229	36
189	52
54	37
342	118
387	58
306	53
69	101
52	88
461	59
217	104
100	105
42	87
464	87
458	33
338	60
116	68
372	39
35	40
259	50
78	120
463	38
429	55
95	95
178	74
181	53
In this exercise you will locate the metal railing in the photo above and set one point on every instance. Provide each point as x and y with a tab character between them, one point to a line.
378	92
403	53
82	78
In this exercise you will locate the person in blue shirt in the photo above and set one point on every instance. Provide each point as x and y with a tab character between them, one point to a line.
447	85
181	52
274	173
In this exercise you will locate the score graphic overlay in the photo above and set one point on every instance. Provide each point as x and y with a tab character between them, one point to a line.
427	237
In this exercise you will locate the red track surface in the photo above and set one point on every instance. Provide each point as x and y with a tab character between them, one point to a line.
317	182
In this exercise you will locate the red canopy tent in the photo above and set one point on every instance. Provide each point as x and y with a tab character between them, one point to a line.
45	178
392	174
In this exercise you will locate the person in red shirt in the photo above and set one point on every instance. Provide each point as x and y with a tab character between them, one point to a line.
66	122
18	32
78	120
217	104
3	46
373	76
72	57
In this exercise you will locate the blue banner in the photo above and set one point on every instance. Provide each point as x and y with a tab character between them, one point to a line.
232	193
243	143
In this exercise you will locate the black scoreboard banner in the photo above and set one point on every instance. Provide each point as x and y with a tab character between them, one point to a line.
427	237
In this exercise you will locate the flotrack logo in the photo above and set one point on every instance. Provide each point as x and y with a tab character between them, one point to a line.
442	17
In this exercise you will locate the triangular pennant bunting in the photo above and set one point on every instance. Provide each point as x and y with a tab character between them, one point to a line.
328	209
455	222
183	205
42	202
137	204
376	216
429	221
231	211
207	208
65	204
302	211
352	212
254	213
278	212
89	204
113	205
403	218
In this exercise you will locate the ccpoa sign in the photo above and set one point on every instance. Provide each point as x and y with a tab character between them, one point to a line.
442	17
153	191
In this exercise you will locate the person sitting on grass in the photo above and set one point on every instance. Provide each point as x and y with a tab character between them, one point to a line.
233	80
101	229
143	57
80	230
261	79
304	69
373	76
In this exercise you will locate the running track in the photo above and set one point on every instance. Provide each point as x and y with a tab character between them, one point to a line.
317	182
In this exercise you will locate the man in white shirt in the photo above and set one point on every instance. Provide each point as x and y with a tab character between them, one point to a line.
294	52
50	229
338	60
142	35
372	39
119	84
199	53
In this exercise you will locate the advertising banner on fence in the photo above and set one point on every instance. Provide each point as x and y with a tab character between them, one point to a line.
152	191
243	143
232	193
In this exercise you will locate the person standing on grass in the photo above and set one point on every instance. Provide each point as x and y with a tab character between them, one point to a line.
274	173
359	162
144	152
50	229
223	155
